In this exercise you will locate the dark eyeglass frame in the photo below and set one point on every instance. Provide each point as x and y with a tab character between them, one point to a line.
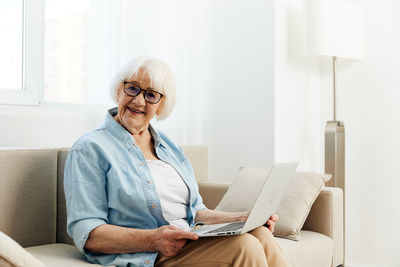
145	92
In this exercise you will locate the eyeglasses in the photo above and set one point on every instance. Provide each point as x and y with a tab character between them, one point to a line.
151	96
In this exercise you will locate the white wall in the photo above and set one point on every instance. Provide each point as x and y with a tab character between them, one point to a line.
45	127
239	108
298	121
368	103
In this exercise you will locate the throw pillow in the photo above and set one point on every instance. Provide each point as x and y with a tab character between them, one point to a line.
13	255
297	202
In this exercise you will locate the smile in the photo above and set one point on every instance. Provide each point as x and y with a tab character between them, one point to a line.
135	110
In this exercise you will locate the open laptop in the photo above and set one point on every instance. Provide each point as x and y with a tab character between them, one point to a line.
267	202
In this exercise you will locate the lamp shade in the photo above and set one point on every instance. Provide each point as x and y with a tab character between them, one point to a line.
335	28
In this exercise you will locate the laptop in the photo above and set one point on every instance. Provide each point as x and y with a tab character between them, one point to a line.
271	193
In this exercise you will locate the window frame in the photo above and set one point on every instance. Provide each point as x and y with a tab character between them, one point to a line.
32	58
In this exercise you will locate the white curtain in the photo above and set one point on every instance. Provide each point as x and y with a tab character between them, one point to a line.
173	31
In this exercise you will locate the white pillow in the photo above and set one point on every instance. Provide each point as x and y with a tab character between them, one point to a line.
12	254
297	202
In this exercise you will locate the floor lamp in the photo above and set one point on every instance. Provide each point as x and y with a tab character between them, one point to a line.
335	30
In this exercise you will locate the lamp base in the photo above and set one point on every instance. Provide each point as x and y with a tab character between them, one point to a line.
334	162
334	153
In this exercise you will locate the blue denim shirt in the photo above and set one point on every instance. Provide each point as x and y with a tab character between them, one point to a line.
107	181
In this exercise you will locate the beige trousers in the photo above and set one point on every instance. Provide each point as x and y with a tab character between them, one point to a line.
257	248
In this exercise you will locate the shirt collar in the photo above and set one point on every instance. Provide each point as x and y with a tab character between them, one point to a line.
156	137
122	134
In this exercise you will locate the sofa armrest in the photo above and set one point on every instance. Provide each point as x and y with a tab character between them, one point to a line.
326	217
212	192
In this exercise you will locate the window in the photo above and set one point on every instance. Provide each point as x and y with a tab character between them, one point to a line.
46	56
66	51
21	24
76	54
11	54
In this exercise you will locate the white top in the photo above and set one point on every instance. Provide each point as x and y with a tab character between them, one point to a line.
173	193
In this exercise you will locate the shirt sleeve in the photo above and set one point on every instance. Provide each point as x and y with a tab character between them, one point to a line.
86	197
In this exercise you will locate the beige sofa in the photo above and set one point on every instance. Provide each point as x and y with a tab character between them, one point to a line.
33	213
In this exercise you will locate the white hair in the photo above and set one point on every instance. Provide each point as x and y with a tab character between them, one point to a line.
161	77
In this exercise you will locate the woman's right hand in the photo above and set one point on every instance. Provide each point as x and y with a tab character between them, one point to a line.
169	240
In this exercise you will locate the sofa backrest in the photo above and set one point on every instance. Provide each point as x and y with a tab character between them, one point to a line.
198	156
28	206
32	202
62	236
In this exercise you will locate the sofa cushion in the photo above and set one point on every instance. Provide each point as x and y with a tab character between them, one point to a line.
298	252
60	255
28	195
13	255
297	202
212	192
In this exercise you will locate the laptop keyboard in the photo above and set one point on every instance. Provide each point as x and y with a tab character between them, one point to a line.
229	227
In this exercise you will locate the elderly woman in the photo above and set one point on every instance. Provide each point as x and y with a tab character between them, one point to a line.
131	193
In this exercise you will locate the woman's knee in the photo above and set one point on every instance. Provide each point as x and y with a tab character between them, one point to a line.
262	233
249	251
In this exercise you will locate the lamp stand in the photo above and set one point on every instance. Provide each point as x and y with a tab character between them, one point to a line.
334	162
334	143
335	151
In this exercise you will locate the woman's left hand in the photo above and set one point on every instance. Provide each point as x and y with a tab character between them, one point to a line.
271	222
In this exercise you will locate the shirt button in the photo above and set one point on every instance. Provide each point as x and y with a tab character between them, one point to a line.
147	261
141	164
148	181
154	205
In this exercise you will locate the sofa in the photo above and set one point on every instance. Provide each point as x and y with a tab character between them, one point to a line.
33	212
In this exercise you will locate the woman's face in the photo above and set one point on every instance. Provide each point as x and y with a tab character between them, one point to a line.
135	113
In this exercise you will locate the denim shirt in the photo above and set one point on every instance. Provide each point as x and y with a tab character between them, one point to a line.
107	181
